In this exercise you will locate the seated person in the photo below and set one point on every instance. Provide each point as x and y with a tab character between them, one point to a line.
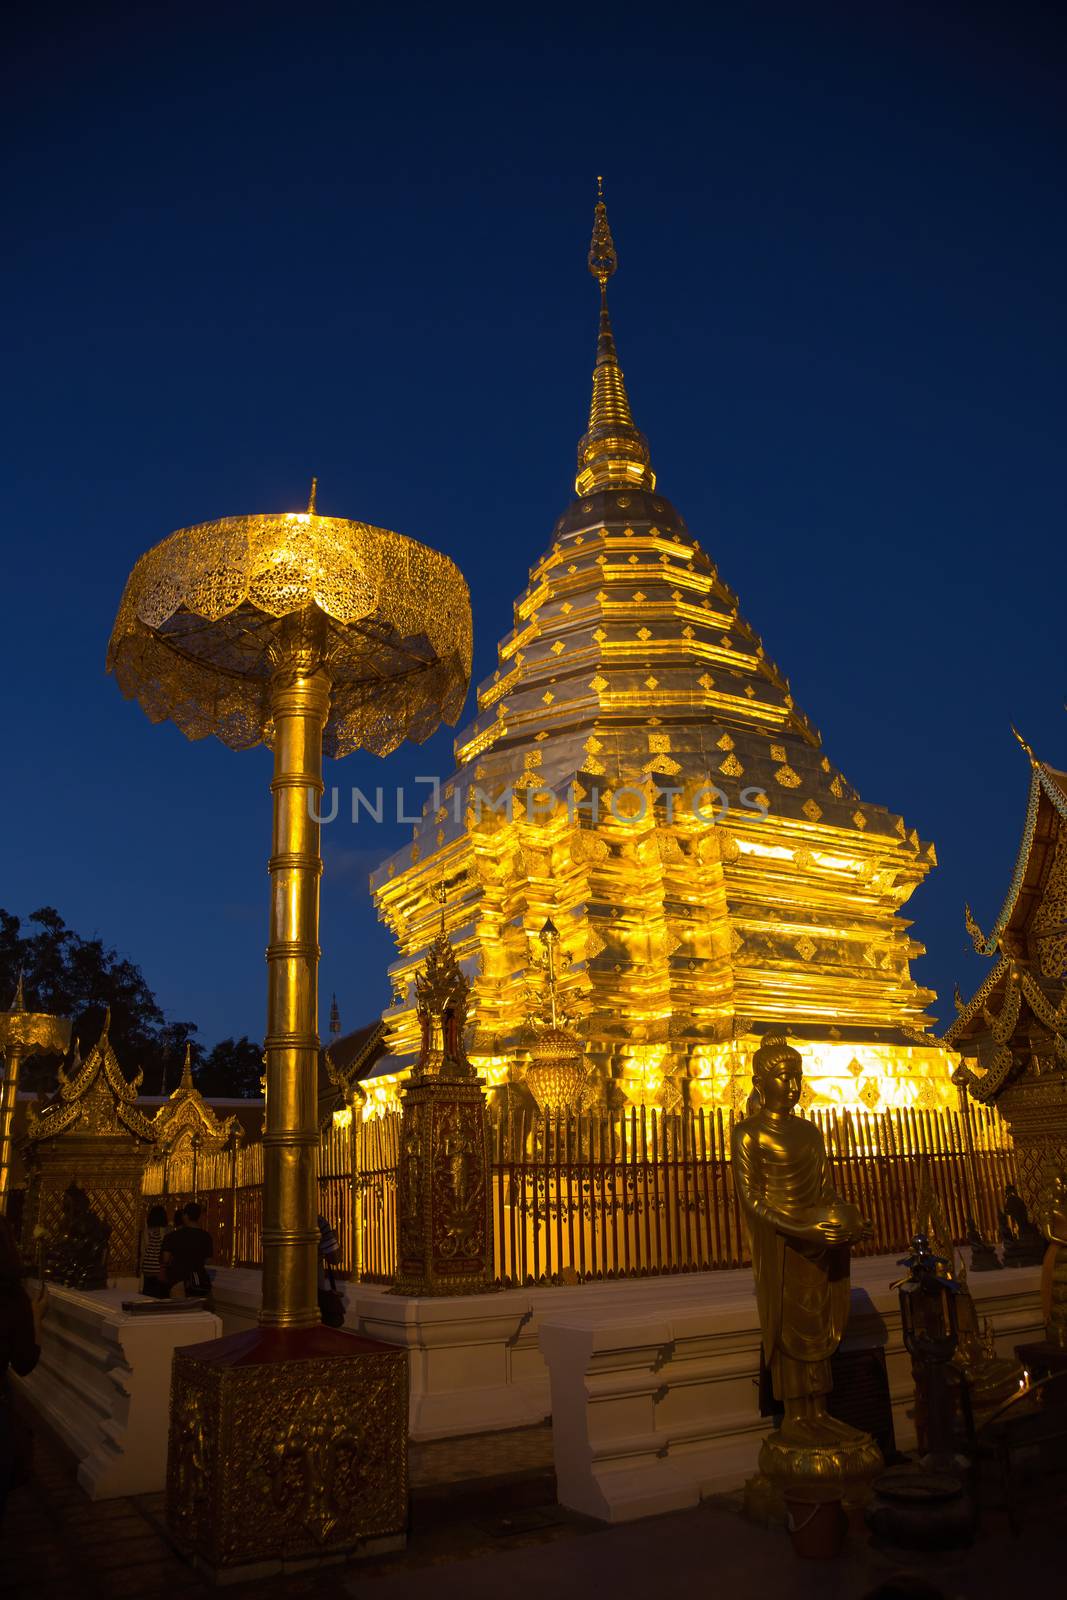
185	1254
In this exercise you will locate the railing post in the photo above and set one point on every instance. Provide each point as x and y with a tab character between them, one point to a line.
233	1197
357	1202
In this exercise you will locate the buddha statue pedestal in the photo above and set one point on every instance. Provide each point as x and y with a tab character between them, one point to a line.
801	1233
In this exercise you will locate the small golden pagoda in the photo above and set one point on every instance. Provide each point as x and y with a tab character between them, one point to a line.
92	1132
639	773
1012	1033
186	1122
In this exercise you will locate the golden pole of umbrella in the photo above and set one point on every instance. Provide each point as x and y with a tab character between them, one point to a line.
309	634
314	635
22	1034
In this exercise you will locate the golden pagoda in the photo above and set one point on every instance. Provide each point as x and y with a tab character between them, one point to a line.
639	774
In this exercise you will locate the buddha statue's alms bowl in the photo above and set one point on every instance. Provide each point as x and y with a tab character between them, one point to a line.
843	1214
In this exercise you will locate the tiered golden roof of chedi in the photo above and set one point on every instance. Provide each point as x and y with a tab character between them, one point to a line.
710	871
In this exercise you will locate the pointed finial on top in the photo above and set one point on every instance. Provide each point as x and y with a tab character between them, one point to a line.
107	1024
312	495
335	1018
187	1068
602	255
440	894
19	1001
612	453
1024	744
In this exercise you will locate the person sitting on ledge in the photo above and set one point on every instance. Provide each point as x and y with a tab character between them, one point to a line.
185	1254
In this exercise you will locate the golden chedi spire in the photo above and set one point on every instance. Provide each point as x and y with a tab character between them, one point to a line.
639	779
613	452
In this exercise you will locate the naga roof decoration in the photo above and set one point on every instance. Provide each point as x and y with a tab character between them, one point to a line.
95	1097
186	1117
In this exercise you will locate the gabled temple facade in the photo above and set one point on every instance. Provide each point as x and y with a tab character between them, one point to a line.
1012	1033
185	1122
91	1132
639	772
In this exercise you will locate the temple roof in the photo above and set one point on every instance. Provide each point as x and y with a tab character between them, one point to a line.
187	1115
345	1063
1046	813
1016	1020
92	1097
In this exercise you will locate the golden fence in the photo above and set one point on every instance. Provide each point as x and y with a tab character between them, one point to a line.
604	1196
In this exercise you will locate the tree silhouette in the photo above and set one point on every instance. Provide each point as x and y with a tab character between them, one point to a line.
80	978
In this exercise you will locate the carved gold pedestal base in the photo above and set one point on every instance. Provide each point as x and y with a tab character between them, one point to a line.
287	1446
812	1474
444	1192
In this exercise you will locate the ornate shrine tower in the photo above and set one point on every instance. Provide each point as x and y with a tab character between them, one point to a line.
710	871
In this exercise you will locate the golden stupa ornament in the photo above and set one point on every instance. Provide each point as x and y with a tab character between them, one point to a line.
310	634
22	1034
442	1000
444	1189
556	1072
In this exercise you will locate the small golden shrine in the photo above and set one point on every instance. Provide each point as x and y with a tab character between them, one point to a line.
1012	1033
92	1132
444	1195
187	1124
639	772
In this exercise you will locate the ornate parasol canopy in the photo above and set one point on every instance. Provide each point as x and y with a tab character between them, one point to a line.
31	1033
208	614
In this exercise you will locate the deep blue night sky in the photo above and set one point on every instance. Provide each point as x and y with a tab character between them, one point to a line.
249	243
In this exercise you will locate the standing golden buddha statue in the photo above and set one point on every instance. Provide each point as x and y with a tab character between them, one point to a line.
801	1233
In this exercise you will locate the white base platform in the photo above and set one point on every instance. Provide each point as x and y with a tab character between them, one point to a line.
475	1364
103	1383
650	1382
654	1404
474	1361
